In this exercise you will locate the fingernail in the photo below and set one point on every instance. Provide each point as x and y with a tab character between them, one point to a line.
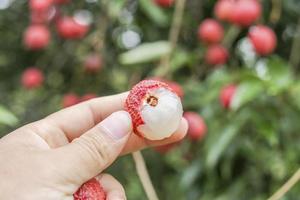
117	125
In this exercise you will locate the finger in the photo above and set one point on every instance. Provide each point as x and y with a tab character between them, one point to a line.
91	153
65	125
113	189
136	143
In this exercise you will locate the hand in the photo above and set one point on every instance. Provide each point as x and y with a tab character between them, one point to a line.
53	157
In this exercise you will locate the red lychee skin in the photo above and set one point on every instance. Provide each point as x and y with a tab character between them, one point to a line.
70	100
223	10
135	99
91	190
197	127
164	3
263	39
227	94
40	5
246	12
32	78
210	31
216	55
36	37
68	28
93	63
88	96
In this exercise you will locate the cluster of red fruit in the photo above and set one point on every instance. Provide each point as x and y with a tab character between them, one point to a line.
37	36
164	3
241	13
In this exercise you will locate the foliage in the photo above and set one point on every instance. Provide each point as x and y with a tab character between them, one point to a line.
249	151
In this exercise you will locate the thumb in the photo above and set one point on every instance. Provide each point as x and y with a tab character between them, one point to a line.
88	155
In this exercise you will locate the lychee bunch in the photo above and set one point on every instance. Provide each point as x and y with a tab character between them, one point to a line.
155	109
91	190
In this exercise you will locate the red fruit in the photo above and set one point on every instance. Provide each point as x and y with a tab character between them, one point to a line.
172	84
156	111
210	31
91	190
32	78
223	9
60	2
36	37
216	55
263	39
164	3
68	28
93	63
88	96
227	94
40	5
197	126
246	12
70	100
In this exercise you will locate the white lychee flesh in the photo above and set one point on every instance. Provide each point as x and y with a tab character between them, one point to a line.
163	119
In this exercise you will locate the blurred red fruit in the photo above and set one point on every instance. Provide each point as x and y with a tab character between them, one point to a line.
70	100
88	96
246	12
263	39
93	63
40	5
164	3
68	28
210	31
216	55
32	78
223	9
227	94
38	17
36	37
62	1
197	126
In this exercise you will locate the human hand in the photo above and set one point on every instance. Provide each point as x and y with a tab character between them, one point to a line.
53	157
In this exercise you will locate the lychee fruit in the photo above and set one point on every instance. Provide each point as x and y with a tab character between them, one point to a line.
216	55
40	5
246	12
263	39
197	127
70	99
36	37
176	87
93	63
223	10
210	31
91	190
226	95
32	78
88	96
68	28
155	109
164	3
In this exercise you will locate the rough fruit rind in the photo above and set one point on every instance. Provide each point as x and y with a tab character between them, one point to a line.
91	190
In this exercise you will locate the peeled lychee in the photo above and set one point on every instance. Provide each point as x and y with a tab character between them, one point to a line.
91	190
155	109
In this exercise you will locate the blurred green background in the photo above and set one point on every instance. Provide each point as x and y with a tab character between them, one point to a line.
248	152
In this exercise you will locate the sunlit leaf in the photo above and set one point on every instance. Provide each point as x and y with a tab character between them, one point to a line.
6	117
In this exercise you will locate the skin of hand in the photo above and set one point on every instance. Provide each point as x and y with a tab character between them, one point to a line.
51	158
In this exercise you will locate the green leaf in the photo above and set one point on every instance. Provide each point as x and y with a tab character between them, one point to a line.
155	13
246	92
6	117
216	150
145	53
